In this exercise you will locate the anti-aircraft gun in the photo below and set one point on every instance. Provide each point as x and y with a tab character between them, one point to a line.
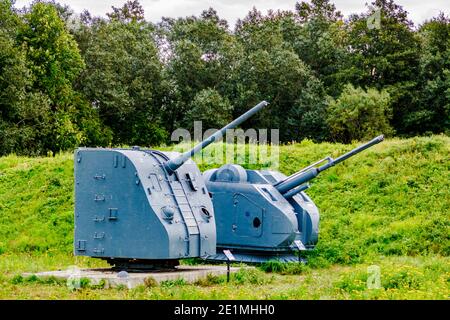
144	208
264	215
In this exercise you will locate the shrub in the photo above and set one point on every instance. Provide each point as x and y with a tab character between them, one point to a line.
359	114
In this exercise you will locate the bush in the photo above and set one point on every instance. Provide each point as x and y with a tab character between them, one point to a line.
359	114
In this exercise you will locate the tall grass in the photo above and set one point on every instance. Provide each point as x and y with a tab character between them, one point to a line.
393	199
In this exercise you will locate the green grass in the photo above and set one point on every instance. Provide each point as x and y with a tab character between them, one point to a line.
401	278
386	206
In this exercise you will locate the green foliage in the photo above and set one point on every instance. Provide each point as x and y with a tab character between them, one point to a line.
201	54
276	266
39	60
100	285
69	80
43	188
210	280
427	278
173	283
33	279
53	54
24	115
123	79
319	41
385	58
17	279
131	11
359	114
210	108
397	280
150	282
297	103
250	276
433	112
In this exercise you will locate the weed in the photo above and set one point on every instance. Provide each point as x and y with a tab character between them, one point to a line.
210	280
250	276
285	268
173	283
150	282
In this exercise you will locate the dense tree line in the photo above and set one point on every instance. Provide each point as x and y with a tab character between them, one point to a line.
70	79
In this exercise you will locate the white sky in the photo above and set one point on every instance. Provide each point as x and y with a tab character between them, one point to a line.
231	10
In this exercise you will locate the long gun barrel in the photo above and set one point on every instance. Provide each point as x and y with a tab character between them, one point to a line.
174	164
293	184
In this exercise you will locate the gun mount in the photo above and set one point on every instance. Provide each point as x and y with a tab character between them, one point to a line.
144	207
263	215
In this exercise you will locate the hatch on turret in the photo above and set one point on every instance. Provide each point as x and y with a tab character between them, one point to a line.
248	217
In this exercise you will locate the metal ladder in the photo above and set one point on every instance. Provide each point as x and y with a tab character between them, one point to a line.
185	208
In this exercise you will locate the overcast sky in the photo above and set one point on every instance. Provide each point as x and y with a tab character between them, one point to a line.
231	10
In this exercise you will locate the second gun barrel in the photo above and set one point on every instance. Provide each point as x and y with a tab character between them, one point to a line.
303	176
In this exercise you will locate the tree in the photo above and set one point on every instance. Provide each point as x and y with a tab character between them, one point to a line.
271	70
386	58
433	112
24	115
201	54
131	11
320	42
317	10
54	61
211	109
123	80
52	52
67	80
359	114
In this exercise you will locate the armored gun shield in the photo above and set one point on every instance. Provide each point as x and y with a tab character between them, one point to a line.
254	220
128	206
144	206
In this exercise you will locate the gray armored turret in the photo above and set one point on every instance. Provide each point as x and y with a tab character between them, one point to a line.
144	207
264	215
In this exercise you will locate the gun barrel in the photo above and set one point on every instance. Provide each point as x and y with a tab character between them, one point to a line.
351	153
311	172
174	164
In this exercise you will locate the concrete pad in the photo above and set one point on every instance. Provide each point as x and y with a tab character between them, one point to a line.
130	279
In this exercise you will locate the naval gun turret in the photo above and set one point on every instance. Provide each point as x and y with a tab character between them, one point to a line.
144	208
263	215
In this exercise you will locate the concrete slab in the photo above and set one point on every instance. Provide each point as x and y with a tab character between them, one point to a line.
130	280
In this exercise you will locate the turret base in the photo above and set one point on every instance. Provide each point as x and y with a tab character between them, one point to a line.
134	265
256	258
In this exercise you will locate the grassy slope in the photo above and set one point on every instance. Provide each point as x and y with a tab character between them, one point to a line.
392	200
